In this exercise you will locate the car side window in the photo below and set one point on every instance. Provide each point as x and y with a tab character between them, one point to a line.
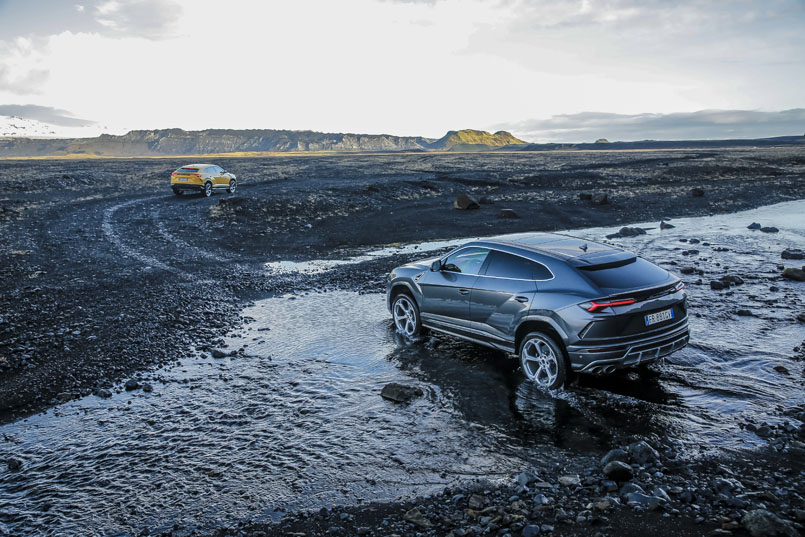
466	260
503	265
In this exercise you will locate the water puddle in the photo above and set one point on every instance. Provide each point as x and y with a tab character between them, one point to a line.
296	419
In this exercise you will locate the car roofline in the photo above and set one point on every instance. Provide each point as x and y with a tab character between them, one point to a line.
501	241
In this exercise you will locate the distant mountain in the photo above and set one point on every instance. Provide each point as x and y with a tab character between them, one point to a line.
473	140
604	145
20	127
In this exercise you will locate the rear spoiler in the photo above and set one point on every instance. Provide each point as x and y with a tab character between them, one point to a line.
602	260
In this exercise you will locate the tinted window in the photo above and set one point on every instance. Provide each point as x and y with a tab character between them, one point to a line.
638	274
187	170
214	169
466	261
502	265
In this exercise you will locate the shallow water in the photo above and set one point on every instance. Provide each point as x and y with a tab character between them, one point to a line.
297	420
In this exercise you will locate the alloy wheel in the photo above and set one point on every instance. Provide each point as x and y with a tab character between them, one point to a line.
405	316
540	362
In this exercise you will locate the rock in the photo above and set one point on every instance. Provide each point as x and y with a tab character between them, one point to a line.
631	231
465	202
415	516
631	487
586	196
769	229
762	523
744	313
131	384
531	530
616	454
781	369
485	200
609	485
218	353
618	471
508	213
687	270
650	502
697	192
541	499
147	388
600	198
794	274
801	317
753	225
400	393
718	286
476	502
731	279
526	478
642	453
63	397
792	253
666	225
103	392
14	464
602	505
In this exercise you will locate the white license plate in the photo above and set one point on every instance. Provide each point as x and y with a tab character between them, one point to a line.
660	316
181	178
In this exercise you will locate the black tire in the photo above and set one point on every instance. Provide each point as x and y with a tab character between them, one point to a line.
207	192
405	315
232	186
177	192
543	360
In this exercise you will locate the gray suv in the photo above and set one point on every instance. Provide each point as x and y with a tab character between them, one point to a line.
561	303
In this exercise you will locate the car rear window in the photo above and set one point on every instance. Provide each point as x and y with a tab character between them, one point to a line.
633	275
503	265
187	170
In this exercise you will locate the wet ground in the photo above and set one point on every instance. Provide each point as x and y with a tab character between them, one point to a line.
293	418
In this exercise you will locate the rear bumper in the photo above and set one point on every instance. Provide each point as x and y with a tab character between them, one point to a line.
187	186
605	358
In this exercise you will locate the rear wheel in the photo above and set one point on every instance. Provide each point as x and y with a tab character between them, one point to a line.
177	191
406	315
543	361
232	186
207	189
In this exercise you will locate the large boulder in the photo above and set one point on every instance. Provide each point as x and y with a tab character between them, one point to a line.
415	517
697	192
794	274
618	471
762	523
793	253
600	198
642	453
466	202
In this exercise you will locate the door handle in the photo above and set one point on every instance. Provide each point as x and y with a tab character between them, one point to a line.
463	291
521	299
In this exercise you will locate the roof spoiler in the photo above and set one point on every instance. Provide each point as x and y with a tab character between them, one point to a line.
602	260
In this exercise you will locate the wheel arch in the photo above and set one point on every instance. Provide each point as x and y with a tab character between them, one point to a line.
401	287
539	325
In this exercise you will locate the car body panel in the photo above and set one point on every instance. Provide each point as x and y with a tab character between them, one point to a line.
495	308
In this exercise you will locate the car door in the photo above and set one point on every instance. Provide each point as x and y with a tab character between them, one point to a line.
503	293
446	293
220	177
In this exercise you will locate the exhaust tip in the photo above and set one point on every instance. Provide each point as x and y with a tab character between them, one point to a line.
609	369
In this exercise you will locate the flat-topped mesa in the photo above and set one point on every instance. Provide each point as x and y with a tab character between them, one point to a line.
469	139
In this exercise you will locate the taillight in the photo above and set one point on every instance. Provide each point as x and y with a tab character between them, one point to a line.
594	306
679	287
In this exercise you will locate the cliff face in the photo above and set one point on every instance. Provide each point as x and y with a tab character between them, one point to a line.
472	139
180	142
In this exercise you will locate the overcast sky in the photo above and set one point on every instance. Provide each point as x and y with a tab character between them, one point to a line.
554	70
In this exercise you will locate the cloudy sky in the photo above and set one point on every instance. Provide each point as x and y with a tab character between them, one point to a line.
553	70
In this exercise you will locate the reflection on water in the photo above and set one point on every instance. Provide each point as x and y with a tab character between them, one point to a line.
297	419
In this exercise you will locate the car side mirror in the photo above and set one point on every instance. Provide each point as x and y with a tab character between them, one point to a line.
436	266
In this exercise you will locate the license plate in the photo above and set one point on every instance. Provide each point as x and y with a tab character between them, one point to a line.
181	178
660	316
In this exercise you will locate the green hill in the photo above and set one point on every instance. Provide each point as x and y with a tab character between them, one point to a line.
469	140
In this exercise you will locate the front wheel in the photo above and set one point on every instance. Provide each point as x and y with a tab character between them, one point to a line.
232	186
406	315
543	361
207	190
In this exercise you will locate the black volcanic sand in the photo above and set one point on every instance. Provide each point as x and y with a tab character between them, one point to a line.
107	274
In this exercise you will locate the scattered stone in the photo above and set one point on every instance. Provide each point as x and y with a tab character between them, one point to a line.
731	280
762	523
694	241
718	286
753	225
526	478
103	392
781	369
616	454
600	198
218	353
794	274
687	270
147	388
400	393
631	231
63	397
466	202
642	453
666	225
373	188
14	464
744	313
585	196
650	502
476	502
769	229
618	471
415	516
697	192
801	317
131	384
532	530
508	213
793	253
570	480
